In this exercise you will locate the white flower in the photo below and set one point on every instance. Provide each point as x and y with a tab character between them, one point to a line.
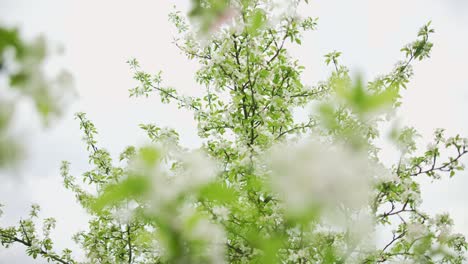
431	147
385	175
416	230
409	193
218	57
445	233
215	239
124	215
320	175
183	173
224	144
221	212
35	245
187	100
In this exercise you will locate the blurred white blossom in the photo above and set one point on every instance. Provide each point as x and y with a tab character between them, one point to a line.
313	174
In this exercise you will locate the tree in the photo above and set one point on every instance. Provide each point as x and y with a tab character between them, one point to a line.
263	188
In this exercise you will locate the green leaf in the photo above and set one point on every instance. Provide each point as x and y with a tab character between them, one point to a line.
132	187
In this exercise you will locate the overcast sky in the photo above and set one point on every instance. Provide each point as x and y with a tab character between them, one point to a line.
99	36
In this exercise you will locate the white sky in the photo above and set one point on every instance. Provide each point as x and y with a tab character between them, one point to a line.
99	36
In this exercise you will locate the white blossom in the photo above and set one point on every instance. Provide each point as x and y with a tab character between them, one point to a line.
431	147
215	239
221	212
416	230
314	174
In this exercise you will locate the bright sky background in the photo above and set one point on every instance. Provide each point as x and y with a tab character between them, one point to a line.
100	35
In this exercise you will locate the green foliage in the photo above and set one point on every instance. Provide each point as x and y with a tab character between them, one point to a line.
21	64
208	11
263	188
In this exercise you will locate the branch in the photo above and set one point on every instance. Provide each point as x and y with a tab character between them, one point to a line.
442	167
43	253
